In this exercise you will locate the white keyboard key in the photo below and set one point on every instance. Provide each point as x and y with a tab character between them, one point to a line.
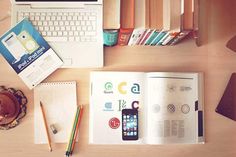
40	28
59	33
81	33
63	28
44	33
71	33
34	23
54	33
71	38
92	18
48	18
57	28
69	18
52	28
66	23
46	28
63	18
55	23
61	23
79	28
84	28
31	18
88	23
74	18
53	18
42	18
72	23
77	23
50	23
82	23
49	33
65	33
45	23
85	18
40	23
80	18
90	33
57	39
68	28
58	18
77	38
76	33
36	18
90	28
73	28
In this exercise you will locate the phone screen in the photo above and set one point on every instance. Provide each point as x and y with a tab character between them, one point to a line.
130	124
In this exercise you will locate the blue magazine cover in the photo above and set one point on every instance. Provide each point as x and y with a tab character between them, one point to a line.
28	53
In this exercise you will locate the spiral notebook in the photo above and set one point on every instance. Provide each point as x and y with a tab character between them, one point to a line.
60	102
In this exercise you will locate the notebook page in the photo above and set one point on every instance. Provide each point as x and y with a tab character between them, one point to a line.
59	102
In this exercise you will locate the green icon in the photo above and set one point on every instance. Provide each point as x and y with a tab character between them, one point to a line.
108	86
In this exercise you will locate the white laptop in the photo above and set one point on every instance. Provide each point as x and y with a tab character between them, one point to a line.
73	28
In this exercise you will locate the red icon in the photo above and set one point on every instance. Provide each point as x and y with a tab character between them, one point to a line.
114	123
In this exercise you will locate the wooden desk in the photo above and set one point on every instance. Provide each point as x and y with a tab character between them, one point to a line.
214	59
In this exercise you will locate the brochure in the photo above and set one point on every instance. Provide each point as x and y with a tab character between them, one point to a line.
28	53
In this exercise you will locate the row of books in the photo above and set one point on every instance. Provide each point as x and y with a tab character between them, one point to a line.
148	22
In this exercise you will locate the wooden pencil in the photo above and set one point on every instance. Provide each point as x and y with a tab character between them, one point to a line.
77	128
46	126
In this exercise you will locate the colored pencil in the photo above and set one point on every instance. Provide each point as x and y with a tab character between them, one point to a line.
46	126
68	150
77	129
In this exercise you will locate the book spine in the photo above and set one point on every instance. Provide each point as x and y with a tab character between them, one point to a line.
124	36
135	36
163	38
151	37
146	37
158	37
169	38
141	37
179	37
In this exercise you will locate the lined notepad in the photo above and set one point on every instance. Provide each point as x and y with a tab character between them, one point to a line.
60	102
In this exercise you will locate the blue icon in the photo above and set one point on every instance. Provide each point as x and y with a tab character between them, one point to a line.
108	106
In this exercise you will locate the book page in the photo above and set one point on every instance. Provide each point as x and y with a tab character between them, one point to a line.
171	115
110	93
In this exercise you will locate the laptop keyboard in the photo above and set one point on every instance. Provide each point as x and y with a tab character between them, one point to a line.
63	26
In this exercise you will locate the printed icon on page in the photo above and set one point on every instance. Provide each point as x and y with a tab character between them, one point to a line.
14	46
108	88
28	42
108	106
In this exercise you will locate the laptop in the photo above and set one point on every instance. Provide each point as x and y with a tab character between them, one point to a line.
72	28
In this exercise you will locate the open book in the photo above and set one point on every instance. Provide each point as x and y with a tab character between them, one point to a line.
170	107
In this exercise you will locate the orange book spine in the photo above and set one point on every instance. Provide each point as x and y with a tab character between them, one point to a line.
124	36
